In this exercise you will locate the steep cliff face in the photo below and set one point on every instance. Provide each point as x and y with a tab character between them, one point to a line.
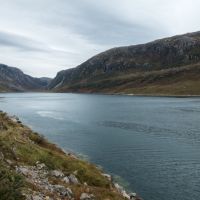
164	54
13	79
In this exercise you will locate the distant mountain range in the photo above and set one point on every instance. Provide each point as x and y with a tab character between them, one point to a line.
14	80
169	66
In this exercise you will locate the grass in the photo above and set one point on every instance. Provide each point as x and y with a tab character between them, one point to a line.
174	81
21	146
11	184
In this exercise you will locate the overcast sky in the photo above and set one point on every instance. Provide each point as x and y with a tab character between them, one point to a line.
42	37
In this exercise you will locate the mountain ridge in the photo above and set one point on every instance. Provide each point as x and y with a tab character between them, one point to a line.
13	79
168	66
158	55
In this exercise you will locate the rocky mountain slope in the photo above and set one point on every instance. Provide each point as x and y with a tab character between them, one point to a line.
166	66
31	168
13	79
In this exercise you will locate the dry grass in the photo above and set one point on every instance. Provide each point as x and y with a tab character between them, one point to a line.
23	147
174	81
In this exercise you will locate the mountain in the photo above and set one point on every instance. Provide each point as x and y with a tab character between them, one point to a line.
13	79
165	66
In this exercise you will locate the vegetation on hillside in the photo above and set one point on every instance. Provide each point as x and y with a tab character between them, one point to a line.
175	81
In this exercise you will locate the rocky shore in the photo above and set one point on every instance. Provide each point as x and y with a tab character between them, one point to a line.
31	168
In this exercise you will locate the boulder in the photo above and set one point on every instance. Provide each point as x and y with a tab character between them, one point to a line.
69	193
10	162
15	119
40	166
121	190
36	197
66	179
125	195
118	187
108	176
65	192
23	170
73	179
85	196
133	196
57	173
85	184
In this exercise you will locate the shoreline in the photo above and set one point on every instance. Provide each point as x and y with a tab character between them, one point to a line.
41	167
109	94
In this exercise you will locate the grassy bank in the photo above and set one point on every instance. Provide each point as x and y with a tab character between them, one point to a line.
20	146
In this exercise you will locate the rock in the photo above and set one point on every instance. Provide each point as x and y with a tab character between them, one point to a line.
14	150
85	184
69	193
75	172
36	197
29	172
108	176
121	191
38	175
85	196
15	119
58	188
125	195
1	156
133	195
118	187
66	180
73	179
9	162
132	198
65	192
22	170
87	190
40	166
57	173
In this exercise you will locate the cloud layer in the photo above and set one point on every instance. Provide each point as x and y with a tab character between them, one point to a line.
44	37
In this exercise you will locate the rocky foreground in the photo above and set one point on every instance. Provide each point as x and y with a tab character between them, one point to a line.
31	168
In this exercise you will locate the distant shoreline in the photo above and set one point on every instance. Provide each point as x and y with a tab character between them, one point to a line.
113	94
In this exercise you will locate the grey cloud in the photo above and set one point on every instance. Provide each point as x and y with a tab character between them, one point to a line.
19	42
100	27
46	36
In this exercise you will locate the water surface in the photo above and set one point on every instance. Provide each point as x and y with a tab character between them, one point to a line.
151	143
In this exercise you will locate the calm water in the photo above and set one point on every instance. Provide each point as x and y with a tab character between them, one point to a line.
152	143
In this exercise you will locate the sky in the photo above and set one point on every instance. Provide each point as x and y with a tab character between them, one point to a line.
42	37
